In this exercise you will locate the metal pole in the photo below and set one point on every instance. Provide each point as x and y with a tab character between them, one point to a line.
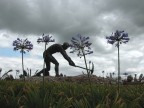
23	66
44	68
43	80
118	68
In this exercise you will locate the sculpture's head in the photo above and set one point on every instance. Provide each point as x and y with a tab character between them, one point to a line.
65	45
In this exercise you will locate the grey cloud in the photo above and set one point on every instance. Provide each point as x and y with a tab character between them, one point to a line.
61	17
129	10
67	18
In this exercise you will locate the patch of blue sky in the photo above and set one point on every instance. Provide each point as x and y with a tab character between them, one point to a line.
8	52
39	57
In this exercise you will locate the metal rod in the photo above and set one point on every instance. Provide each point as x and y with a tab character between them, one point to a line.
83	68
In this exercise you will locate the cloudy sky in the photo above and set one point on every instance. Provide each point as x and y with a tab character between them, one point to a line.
64	19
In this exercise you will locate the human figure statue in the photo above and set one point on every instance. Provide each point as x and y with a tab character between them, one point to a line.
48	56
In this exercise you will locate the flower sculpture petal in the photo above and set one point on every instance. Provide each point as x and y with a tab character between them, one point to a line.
79	44
45	39
117	38
22	45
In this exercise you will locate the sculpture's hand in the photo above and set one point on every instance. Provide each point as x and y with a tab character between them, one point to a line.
72	63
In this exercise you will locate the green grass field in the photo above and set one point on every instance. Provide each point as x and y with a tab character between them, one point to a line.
16	94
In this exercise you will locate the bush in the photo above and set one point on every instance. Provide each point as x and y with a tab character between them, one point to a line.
129	78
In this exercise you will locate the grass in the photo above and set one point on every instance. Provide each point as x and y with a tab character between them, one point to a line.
17	94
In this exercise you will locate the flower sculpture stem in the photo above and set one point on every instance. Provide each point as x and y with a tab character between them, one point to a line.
85	63
118	67
23	66
44	67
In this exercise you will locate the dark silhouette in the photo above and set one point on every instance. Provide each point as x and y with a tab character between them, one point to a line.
25	73
9	78
129	78
140	77
42	71
48	58
61	74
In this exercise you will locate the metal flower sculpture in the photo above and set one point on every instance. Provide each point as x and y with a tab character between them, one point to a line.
81	45
45	39
118	38
23	46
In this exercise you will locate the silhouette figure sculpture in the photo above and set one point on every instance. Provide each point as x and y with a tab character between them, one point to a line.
48	57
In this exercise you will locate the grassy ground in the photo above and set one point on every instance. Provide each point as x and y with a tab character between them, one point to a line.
19	94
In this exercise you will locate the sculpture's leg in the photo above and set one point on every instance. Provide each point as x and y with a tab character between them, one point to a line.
49	59
46	71
54	61
57	69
